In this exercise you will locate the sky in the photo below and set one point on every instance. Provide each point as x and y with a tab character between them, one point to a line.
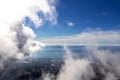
27	25
80	17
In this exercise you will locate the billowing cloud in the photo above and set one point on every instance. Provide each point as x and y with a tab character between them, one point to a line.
16	39
88	38
75	69
16	10
98	64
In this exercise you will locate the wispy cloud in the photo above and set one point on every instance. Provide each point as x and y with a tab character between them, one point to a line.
88	38
95	63
103	14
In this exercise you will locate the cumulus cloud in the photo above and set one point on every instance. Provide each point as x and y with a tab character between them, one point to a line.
88	38
70	24
16	10
16	39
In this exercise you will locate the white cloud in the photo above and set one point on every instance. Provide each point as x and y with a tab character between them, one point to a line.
98	64
75	69
16	10
69	23
88	38
17	40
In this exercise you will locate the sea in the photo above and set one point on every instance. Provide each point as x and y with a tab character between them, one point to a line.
59	51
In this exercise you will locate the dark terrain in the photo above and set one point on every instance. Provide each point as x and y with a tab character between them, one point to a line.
30	69
34	69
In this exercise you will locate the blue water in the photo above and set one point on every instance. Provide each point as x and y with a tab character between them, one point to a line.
79	51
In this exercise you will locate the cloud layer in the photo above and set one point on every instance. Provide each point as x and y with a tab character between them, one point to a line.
87	38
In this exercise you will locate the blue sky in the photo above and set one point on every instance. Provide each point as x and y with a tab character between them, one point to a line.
75	17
